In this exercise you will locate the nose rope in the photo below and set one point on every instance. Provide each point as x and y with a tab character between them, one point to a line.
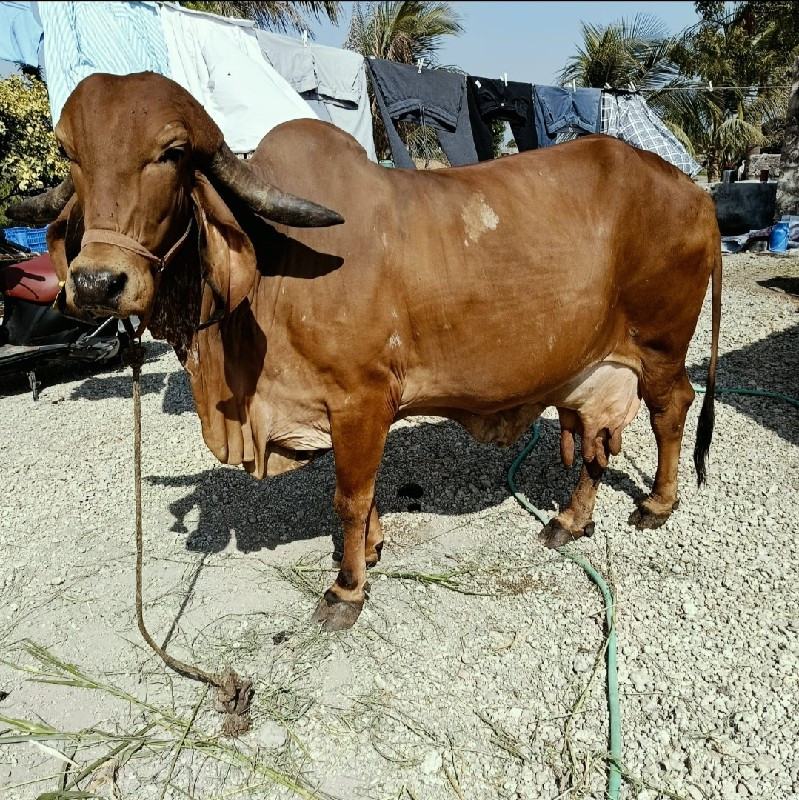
125	242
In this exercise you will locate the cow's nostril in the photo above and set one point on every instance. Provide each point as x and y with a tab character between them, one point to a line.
117	284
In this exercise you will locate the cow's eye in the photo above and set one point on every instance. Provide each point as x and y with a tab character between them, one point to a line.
171	155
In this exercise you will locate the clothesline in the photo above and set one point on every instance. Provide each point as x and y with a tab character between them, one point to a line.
710	88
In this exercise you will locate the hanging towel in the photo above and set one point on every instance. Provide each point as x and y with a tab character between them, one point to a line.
20	34
83	38
332	81
512	102
219	62
434	97
627	116
563	114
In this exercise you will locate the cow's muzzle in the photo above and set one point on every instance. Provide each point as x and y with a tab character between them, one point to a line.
98	289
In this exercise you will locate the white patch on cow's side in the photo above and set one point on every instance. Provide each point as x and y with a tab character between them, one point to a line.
384	239
394	340
478	217
551	341
394	313
304	317
347	400
466	242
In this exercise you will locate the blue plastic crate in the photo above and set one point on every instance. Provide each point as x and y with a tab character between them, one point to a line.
35	239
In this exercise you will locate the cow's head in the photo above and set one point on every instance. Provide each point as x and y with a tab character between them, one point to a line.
146	163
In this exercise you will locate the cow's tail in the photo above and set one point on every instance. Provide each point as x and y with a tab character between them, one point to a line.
707	416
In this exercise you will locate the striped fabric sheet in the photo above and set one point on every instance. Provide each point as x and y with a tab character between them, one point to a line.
81	38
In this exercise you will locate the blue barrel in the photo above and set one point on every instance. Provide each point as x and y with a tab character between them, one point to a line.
778	240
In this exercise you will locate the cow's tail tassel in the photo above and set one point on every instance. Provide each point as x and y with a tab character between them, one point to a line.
233	694
707	416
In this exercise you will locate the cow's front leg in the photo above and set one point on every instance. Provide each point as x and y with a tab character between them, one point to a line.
358	448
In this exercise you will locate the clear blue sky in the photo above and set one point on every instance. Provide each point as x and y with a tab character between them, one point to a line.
531	41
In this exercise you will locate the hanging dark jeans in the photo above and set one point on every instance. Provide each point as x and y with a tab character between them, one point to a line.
557	108
431	97
491	99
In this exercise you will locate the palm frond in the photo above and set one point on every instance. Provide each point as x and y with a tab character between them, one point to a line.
284	16
402	30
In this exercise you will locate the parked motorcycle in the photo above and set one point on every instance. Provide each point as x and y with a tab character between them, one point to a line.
33	332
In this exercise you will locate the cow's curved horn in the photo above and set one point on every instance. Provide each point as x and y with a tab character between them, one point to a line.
266	200
45	207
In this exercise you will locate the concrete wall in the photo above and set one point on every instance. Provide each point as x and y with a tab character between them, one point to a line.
743	206
769	161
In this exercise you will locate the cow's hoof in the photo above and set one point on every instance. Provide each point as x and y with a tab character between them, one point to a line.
336	614
553	534
644	518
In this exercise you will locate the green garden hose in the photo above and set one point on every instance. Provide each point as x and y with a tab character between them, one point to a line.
753	392
614	714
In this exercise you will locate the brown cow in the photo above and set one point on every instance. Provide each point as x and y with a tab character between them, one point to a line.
569	277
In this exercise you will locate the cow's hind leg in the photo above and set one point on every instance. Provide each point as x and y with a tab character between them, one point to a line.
668	396
358	448
576	521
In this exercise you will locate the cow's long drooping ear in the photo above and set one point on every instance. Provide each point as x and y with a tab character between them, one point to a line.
63	237
226	252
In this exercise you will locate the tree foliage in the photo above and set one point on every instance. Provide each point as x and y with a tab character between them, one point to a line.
275	15
629	52
744	50
402	30
720	86
29	156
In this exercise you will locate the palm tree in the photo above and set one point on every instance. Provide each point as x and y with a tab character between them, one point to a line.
404	31
275	15
739	84
723	124
622	54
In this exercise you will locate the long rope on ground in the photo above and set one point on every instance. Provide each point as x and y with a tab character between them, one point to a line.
234	695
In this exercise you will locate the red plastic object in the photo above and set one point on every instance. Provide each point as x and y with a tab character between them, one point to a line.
33	280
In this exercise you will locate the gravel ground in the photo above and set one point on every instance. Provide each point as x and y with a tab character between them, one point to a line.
463	677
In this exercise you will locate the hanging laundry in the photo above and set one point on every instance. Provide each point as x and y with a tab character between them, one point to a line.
219	62
627	116
563	114
511	101
331	80
83	38
20	34
432	97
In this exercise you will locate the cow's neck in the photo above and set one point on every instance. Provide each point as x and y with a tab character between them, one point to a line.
177	304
